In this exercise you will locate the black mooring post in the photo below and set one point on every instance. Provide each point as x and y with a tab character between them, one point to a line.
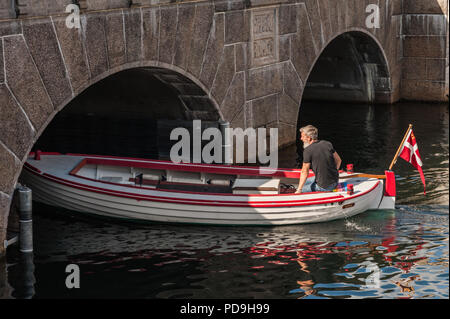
25	220
25	288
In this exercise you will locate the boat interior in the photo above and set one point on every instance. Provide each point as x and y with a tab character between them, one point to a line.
195	180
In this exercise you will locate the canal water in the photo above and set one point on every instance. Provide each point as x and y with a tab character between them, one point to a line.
401	253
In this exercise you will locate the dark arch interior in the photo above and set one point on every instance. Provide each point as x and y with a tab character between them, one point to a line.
352	68
348	78
130	113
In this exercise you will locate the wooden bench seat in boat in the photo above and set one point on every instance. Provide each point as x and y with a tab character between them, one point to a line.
111	179
193	187
256	186
190	187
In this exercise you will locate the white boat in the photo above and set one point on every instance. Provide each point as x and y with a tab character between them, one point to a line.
163	191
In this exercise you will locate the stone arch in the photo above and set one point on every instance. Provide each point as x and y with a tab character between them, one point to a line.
143	101
45	65
318	23
188	92
30	139
371	52
366	55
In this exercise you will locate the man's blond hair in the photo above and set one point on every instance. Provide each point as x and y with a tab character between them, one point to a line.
311	131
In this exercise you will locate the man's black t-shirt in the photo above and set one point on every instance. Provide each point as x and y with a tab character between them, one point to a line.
320	155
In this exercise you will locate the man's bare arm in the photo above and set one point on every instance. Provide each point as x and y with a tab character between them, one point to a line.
303	177
337	160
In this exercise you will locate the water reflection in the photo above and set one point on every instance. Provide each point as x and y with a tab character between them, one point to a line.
401	253
5	288
23	276
391	254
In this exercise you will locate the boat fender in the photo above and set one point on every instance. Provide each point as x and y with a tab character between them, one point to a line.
389	188
349	168
221	182
152	177
37	156
350	189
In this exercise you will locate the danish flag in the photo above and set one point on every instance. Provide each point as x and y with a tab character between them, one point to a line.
410	153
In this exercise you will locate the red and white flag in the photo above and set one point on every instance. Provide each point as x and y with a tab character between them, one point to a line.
410	153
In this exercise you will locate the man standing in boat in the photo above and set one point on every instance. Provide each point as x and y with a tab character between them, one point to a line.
320	156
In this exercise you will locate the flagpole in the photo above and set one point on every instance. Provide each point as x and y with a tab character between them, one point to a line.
394	160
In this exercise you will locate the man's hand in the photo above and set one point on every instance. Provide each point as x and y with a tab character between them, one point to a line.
298	191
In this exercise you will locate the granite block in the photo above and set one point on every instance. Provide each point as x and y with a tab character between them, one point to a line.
414	68
264	81
225	74
185	28
44	47
397	8
240	50
288	19
334	7
437	25
94	37
415	24
424	6
239	120
73	51
10	28
419	90
236	30
107	4
293	85
4	210
302	47
202	26
133	46
15	131
214	51
436	47
168	27
34	8
235	98
313	15
288	109
341	6
25	82
2	65
9	167
115	39
435	70
325	19
285	48
5	201
150	37
265	110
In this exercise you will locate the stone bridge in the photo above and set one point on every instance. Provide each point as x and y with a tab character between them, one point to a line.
244	61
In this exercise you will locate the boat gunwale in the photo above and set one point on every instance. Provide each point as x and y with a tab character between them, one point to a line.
187	166
188	201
